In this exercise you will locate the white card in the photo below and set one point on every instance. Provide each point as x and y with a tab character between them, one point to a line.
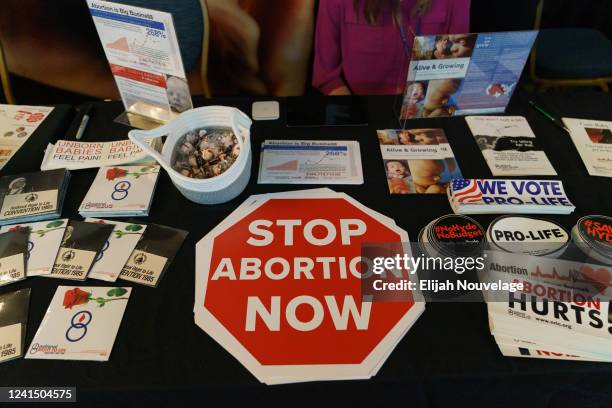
43	243
118	248
10	342
29	204
80	324
121	191
144	268
509	146
310	162
12	269
593	140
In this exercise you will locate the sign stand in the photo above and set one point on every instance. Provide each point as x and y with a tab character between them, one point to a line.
142	49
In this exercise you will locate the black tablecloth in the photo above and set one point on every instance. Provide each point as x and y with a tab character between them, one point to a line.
448	358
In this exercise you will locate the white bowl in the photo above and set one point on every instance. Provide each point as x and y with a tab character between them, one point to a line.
214	190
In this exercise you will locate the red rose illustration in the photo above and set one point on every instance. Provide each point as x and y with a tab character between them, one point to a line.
75	297
15	228
114	173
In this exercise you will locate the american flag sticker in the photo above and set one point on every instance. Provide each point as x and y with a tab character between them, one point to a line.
466	191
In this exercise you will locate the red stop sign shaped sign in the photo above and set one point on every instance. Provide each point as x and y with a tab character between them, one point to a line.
281	290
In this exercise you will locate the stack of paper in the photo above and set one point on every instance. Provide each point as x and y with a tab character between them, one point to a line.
121	191
482	196
76	154
563	310
44	239
81	323
32	197
278	285
310	162
593	140
509	146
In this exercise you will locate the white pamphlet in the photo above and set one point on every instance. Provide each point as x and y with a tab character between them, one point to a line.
81	323
509	146
74	155
121	191
593	139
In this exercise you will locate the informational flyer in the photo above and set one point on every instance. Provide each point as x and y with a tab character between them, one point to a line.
417	160
310	162
509	146
17	123
143	52
464	74
593	140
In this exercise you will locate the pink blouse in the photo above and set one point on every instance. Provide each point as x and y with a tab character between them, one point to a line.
371	59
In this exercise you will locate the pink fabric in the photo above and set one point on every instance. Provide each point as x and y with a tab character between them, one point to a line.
371	60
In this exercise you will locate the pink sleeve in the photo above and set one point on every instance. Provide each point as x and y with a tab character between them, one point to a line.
459	21
327	70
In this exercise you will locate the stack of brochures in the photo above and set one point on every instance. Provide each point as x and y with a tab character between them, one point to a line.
593	140
562	311
121	191
29	197
482	196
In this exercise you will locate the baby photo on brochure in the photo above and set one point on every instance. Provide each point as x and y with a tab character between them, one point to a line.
417	161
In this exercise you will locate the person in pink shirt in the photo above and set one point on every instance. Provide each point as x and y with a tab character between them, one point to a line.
363	46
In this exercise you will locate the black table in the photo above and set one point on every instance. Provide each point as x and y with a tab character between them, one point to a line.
448	358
